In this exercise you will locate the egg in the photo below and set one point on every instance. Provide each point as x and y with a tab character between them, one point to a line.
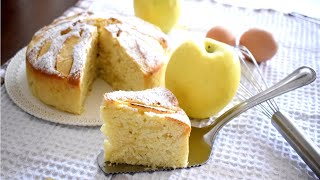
222	34
261	44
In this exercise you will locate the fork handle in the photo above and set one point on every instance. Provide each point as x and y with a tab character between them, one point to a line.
307	150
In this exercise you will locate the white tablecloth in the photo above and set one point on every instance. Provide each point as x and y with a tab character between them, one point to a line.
249	147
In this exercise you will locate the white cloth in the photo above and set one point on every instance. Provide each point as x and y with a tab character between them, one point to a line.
248	147
308	8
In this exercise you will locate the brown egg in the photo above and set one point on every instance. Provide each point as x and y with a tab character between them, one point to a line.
261	44
222	34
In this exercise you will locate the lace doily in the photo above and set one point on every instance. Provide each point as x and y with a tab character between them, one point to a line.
17	88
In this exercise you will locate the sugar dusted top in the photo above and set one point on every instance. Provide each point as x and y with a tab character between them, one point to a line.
159	100
56	34
144	42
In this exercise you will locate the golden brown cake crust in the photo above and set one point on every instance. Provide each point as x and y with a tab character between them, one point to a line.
158	100
144	43
57	34
58	56
135	35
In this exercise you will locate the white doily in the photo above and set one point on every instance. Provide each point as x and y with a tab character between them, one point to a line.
17	88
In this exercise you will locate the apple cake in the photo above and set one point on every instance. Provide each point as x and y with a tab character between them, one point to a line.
145	128
64	58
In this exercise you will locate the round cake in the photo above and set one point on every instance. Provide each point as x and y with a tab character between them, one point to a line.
64	58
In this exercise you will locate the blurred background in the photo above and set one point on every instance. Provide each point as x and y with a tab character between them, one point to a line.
20	19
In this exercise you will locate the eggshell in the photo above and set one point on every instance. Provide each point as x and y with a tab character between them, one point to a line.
261	44
222	34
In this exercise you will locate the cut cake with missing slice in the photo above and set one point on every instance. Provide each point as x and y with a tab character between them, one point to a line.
145	128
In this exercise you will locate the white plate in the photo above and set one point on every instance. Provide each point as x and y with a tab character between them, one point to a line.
18	90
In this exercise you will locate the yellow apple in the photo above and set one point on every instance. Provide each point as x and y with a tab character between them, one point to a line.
162	13
204	76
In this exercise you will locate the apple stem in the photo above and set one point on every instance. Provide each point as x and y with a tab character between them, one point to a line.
209	49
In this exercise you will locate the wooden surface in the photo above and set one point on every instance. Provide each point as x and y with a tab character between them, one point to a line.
20	19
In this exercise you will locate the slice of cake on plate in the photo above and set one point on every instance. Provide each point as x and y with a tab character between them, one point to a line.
145	128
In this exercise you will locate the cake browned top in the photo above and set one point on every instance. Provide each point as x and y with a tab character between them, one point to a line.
144	42
157	100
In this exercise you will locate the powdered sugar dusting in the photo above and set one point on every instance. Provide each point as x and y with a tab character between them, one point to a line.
155	98
146	50
144	46
152	97
53	33
48	60
80	51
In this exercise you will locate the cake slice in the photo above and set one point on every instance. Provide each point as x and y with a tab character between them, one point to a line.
145	128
